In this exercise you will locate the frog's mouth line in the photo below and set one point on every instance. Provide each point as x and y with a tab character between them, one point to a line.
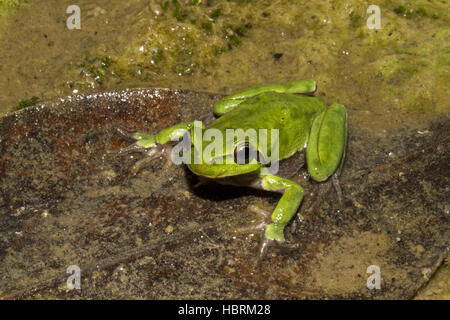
223	170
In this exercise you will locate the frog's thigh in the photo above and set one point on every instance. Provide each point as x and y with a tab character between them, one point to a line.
286	207
228	103
326	144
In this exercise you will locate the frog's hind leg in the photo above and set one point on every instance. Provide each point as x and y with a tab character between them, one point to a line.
327	143
156	152
325	153
274	222
264	220
230	102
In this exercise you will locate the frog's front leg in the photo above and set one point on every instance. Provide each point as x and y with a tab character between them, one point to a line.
285	210
152	145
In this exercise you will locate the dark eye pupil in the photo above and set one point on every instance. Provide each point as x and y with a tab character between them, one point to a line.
244	154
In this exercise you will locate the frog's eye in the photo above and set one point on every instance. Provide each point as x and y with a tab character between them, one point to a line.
245	153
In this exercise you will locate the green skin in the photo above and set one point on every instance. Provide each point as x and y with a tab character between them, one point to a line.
304	122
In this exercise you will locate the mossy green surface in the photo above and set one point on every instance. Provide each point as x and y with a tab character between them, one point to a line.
11	4
7	9
227	45
25	103
325	30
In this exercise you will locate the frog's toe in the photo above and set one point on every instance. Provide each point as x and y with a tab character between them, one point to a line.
128	149
266	243
252	229
150	155
296	222
143	143
337	188
261	225
140	164
265	214
126	134
273	236
263	247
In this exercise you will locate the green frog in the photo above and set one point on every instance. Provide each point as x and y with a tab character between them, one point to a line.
302	123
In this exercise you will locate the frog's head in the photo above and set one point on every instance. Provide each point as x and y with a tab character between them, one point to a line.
220	159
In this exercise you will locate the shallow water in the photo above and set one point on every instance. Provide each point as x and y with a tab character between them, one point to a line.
401	70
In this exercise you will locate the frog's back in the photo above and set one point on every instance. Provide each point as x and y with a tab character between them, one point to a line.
291	114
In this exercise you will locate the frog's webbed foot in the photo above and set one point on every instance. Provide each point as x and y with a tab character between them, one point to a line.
274	223
135	147
321	193
142	143
151	155
266	243
125	134
264	220
337	188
